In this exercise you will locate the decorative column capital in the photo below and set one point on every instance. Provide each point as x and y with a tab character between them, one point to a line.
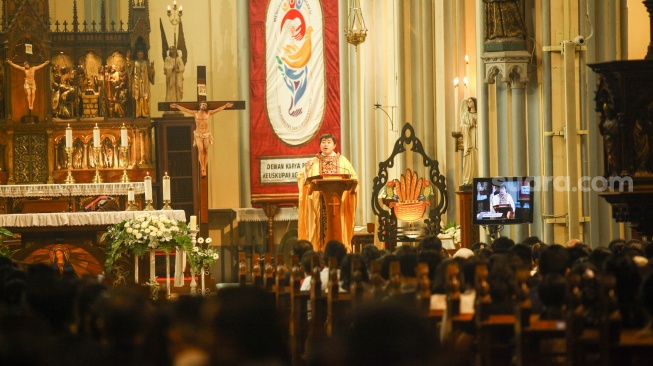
512	65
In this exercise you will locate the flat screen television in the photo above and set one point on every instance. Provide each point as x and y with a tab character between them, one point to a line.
502	200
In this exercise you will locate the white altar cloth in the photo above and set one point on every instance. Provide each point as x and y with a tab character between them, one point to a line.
80	218
257	214
66	190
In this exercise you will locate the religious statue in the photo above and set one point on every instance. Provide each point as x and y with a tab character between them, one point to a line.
468	128
173	68
30	82
503	19
312	209
142	77
202	135
100	91
611	131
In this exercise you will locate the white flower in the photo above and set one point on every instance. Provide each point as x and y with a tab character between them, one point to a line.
215	256
196	249
208	240
200	240
139	235
130	230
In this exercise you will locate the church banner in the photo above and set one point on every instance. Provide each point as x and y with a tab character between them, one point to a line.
294	88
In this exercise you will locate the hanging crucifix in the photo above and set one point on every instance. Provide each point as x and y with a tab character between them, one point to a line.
201	111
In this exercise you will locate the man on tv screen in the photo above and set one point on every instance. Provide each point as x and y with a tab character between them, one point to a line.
503	203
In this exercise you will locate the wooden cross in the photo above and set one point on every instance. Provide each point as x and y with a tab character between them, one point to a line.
201	97
335	204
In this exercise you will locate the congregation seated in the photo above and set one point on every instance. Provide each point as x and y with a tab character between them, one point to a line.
52	320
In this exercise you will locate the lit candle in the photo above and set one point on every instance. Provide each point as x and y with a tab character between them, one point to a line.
148	187
181	7
193	223
96	136
124	139
69	136
166	187
456	81
168	8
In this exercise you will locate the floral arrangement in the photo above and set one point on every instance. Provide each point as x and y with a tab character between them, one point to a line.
142	233
199	258
451	230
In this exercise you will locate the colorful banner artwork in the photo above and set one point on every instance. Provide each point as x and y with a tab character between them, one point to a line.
295	88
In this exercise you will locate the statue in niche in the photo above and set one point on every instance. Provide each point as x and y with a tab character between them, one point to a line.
100	90
78	154
55	82
503	19
468	128
611	132
120	104
173	68
142	76
62	158
642	131
107	153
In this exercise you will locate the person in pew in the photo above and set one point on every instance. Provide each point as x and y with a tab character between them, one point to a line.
300	248
552	292
646	299
390	334
244	329
501	245
369	254
407	256
553	259
308	259
430	242
385	265
629	278
346	277
599	256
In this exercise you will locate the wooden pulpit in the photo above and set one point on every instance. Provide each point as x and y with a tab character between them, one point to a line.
331	188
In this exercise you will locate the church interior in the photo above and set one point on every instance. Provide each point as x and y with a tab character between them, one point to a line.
317	182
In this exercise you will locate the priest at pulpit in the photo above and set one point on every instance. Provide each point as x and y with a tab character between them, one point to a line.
312	208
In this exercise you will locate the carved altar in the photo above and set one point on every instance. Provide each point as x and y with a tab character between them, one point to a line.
89	81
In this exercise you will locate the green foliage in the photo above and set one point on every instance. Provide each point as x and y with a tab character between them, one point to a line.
4	250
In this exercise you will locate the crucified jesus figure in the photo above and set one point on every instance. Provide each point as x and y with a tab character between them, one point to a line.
202	135
30	83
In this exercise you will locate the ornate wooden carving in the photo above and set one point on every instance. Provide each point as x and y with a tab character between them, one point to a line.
387	230
76	88
624	101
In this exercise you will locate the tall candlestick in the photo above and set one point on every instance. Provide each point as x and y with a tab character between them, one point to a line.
96	136
148	187
166	187
193	223
124	139
465	81
69	136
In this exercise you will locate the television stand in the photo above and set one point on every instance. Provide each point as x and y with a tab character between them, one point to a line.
493	230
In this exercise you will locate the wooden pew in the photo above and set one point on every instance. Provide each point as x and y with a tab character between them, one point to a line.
298	323
620	346
539	342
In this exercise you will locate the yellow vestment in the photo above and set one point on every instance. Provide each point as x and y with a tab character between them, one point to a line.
309	223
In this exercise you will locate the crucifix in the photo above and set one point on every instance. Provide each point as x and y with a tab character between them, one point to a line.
201	111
